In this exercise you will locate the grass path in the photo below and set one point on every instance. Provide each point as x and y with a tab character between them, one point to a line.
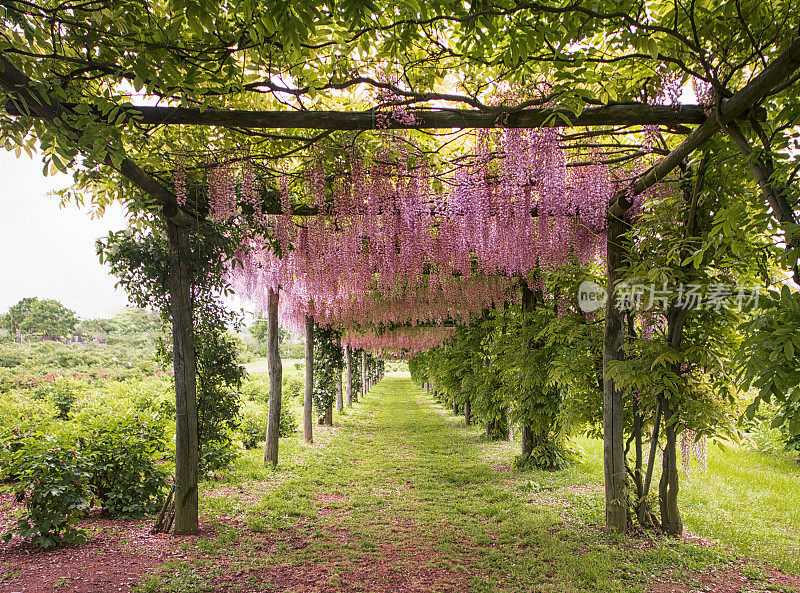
401	497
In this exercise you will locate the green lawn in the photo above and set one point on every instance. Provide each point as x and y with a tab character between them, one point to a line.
400	496
289	366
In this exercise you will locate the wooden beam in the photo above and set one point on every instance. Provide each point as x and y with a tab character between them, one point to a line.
439	118
275	369
185	366
27	101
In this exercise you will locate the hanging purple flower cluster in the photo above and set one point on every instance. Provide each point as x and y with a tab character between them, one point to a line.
399	342
386	248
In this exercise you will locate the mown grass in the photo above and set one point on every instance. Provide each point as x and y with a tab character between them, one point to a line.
748	502
401	493
290	365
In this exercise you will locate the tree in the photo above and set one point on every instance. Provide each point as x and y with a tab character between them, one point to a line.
95	328
17	313
258	329
49	318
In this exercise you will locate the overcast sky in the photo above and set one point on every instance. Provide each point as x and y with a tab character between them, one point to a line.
47	251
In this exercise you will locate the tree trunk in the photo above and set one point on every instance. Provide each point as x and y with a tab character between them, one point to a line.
467	413
642	508
668	487
526	446
339	394
348	359
308	415
676	321
455	407
185	365
613	445
275	369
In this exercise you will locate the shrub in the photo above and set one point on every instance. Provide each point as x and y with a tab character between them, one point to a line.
288	423
547	456
51	477
255	389
254	424
126	455
114	460
152	396
292	387
62	392
21	411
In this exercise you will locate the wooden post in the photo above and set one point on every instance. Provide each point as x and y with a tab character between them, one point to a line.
339	398
363	373
613	439
185	365
348	359
528	305
275	369
308	420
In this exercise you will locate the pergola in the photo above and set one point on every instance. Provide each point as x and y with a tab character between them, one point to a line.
26	101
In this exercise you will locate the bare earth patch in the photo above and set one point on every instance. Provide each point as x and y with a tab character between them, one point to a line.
116	556
114	559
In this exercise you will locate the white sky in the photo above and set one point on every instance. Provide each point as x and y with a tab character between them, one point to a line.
47	251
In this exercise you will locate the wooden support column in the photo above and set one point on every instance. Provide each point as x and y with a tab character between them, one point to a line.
339	394
613	439
185	365
275	369
308	419
528	305
348	359
363	373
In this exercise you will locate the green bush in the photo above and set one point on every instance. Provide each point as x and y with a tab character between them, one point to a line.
126	454
18	409
153	395
292	387
51	477
254	410
114	460
255	389
254	424
62	393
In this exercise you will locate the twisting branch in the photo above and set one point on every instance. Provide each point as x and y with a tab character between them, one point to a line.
751	94
20	88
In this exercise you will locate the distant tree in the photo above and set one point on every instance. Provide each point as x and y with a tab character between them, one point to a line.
49	318
17	313
137	321
259	332
95	328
